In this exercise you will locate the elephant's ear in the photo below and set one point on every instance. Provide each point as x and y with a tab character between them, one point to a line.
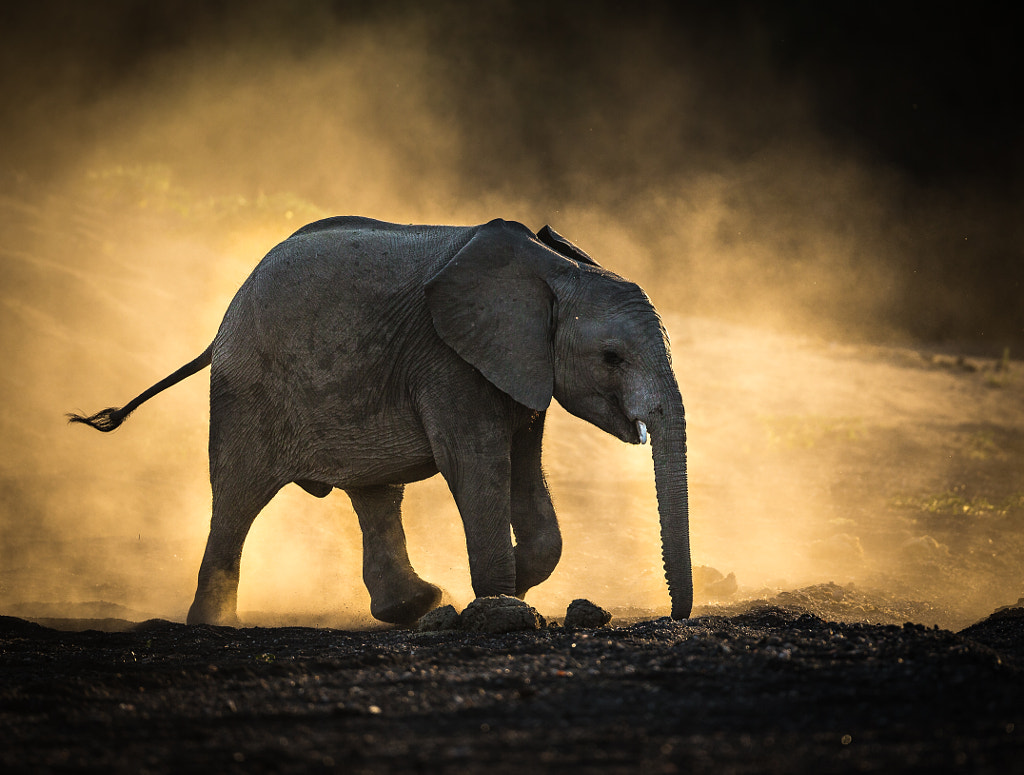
560	244
491	305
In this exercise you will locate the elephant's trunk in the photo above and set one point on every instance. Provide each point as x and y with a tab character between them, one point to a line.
668	441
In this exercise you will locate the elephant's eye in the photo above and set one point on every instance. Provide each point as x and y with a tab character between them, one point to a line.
612	358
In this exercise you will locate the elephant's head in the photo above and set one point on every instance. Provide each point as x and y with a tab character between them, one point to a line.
540	319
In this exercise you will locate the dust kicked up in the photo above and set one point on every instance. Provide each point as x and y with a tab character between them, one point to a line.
841	323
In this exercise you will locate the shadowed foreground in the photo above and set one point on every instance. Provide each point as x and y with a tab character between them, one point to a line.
770	690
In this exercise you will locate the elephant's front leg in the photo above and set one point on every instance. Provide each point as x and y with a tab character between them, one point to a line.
479	479
538	539
397	594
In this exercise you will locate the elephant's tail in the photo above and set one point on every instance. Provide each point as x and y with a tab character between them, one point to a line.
109	419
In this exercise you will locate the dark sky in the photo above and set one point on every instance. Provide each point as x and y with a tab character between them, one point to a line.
548	97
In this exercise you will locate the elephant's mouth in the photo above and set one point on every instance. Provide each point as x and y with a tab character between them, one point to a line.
627	428
607	412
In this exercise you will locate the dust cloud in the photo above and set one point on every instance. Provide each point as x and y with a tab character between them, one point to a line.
153	161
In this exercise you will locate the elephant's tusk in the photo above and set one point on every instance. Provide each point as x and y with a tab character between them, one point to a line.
641	429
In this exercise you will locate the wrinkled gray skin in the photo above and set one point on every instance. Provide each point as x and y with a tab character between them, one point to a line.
365	355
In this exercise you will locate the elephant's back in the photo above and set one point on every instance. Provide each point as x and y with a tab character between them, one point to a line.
342	223
359	256
345	237
344	284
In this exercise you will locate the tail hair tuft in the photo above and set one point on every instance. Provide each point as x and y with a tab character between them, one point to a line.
106	420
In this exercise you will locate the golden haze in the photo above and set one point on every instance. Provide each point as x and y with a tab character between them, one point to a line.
812	457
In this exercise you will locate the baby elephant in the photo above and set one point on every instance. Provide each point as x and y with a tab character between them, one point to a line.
365	355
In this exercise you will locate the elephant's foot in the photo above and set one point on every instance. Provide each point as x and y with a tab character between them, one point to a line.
405	605
202	612
216	600
536	560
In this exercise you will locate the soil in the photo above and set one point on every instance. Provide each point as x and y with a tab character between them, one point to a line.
772	689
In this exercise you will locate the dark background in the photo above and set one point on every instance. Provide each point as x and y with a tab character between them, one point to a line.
600	101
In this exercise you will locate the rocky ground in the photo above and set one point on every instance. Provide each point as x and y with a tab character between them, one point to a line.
772	689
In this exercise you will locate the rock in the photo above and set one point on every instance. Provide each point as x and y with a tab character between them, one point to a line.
500	614
709	583
704	575
443	618
583	613
724	588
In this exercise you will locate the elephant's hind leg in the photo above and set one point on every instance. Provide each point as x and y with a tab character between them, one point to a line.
397	594
235	506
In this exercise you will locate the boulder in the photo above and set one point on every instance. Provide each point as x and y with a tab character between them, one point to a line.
500	614
582	613
443	618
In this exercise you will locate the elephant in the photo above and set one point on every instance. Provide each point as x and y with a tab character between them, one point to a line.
363	355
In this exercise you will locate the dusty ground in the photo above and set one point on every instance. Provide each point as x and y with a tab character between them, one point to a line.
770	690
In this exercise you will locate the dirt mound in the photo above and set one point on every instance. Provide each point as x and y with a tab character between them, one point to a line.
1003	631
844	603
